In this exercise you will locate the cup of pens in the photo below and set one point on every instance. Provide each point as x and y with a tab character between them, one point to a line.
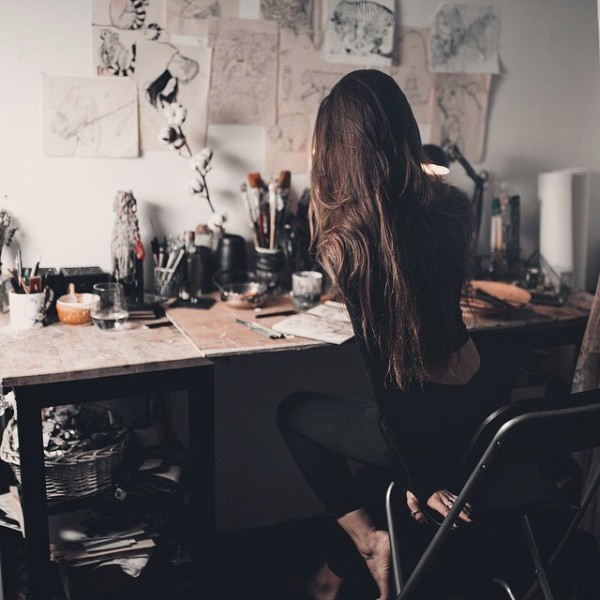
28	310
166	282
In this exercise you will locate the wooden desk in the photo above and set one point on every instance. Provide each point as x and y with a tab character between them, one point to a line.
63	364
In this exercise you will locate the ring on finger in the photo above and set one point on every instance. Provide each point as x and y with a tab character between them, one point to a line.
414	513
449	504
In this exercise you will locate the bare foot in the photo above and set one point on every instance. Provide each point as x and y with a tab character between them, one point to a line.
324	584
378	559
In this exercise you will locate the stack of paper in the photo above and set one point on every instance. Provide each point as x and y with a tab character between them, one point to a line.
87	537
327	322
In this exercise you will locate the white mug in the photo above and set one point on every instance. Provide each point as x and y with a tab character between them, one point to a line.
28	311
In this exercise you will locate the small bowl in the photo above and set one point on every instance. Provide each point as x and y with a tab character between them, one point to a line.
76	309
250	294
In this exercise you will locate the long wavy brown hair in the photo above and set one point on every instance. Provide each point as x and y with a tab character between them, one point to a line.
394	239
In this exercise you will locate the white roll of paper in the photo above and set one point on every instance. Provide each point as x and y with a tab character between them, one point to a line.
555	191
569	231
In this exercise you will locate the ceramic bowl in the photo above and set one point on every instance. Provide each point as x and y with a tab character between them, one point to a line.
76	309
250	294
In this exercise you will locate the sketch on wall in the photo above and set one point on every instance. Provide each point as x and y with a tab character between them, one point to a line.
189	17
84	116
464	39
169	73
412	74
460	112
244	75
360	32
117	27
300	16
304	79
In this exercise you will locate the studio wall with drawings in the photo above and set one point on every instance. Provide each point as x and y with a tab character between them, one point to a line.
272	72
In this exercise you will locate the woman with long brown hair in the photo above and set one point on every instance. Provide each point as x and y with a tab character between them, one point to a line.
396	242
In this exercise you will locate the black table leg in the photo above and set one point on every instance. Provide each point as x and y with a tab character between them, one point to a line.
201	414
33	495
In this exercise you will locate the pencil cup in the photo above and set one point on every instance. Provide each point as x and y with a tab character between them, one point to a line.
27	311
306	289
166	282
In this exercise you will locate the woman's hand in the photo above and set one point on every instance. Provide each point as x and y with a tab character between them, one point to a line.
415	508
441	501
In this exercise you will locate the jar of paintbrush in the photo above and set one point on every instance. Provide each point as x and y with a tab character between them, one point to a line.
267	206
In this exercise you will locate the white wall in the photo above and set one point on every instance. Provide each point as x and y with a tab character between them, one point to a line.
544	114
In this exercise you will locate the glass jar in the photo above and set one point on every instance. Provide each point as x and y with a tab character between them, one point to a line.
270	267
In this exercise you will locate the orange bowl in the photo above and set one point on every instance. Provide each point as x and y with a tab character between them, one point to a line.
76	309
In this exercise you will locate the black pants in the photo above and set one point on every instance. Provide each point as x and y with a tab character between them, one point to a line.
322	433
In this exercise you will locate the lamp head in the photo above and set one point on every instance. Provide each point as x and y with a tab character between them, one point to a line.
438	160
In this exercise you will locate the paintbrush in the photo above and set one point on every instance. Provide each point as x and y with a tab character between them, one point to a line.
257	188
272	212
283	187
251	212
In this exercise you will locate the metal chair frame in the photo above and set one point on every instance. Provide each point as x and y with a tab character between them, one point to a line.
518	433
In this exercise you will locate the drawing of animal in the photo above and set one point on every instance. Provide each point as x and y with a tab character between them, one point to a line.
116	59
291	133
128	14
451	36
200	9
76	120
317	84
291	14
461	110
364	28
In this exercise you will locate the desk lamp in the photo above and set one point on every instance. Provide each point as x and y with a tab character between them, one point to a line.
440	160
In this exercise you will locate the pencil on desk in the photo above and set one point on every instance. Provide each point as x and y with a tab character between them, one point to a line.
257	328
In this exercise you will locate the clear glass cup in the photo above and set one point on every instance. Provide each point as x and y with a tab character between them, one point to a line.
110	312
307	287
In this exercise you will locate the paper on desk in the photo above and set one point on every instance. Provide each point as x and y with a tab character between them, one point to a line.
312	326
334	311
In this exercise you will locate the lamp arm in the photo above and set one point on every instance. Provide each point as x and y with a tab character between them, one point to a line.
455	154
479	179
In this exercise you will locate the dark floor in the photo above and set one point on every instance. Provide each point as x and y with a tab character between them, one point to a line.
271	563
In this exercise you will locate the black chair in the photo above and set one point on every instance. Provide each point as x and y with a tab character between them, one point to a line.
511	470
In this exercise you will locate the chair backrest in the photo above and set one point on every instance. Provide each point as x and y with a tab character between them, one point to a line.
537	428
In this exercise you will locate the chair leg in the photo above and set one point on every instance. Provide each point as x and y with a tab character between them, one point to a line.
505	587
537	560
585	502
394	545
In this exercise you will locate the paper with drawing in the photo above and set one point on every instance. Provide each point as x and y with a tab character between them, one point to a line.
244	75
170	73
360	32
460	112
327	322
117	27
89	116
189	17
464	39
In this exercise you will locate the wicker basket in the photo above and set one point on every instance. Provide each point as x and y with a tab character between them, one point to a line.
75	475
